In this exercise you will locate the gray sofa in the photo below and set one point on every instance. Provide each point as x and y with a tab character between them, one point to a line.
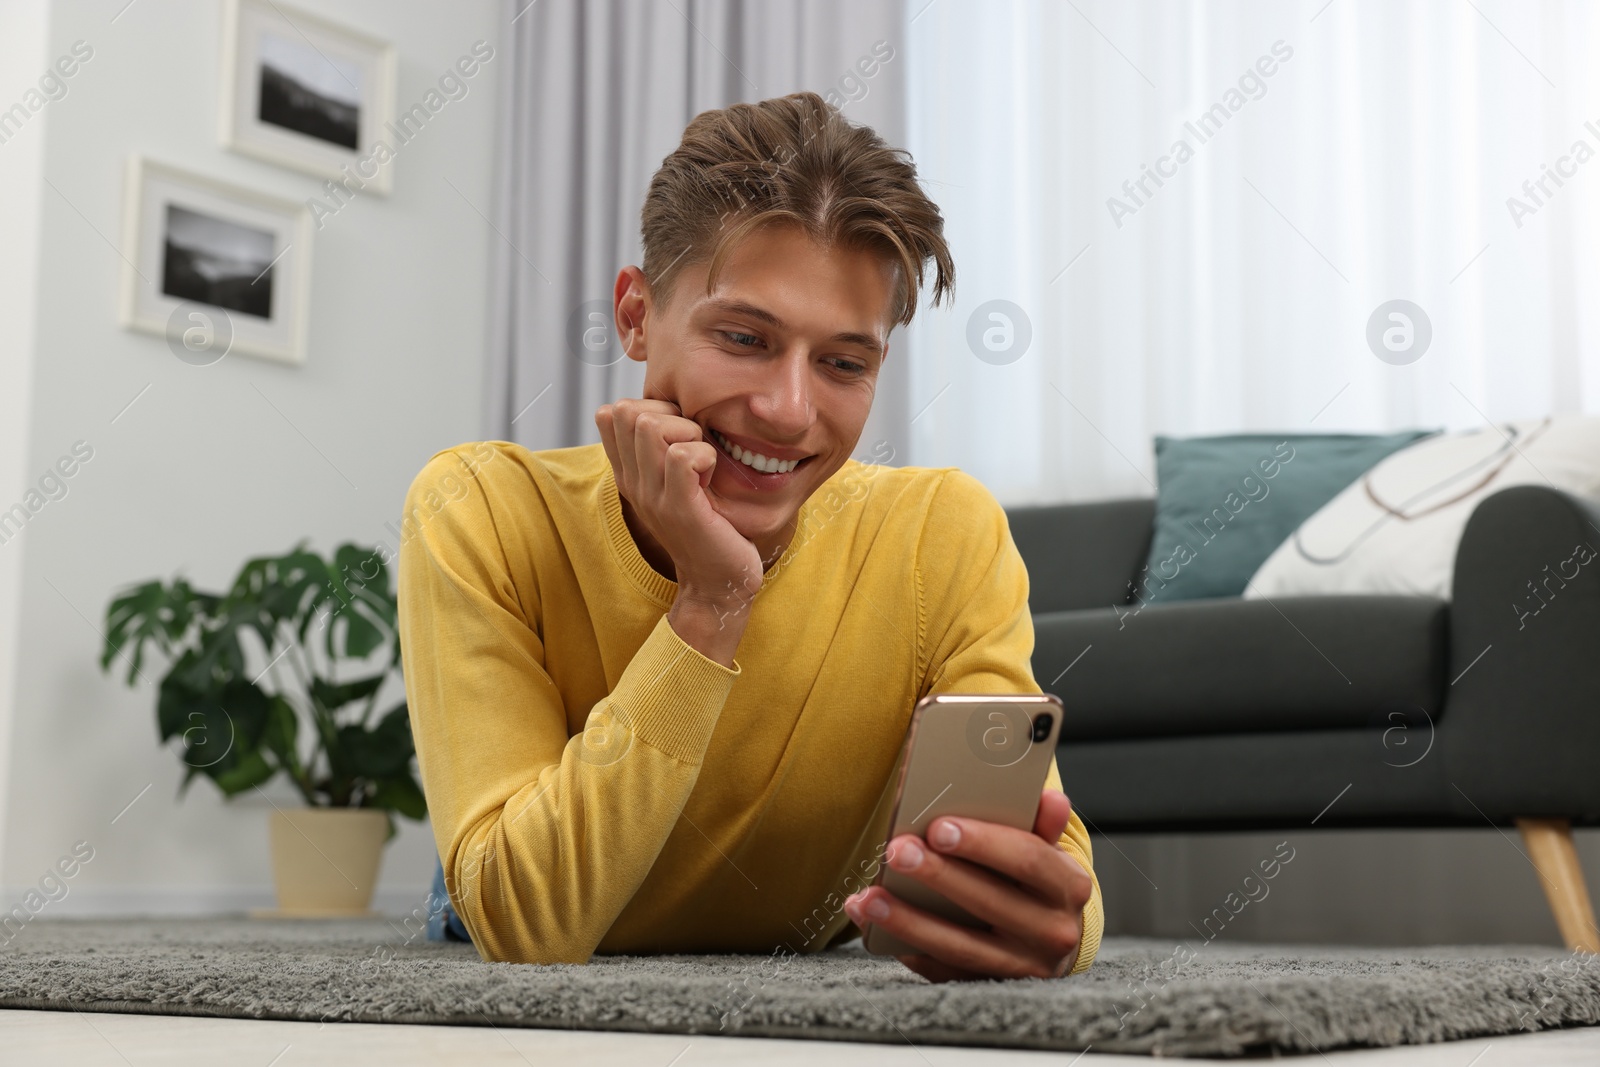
1353	711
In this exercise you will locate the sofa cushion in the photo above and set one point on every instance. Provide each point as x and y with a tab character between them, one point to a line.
1231	665
1224	503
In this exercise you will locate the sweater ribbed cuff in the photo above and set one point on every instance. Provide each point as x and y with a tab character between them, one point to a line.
1094	922
672	695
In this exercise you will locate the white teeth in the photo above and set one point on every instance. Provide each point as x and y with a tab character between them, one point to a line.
765	464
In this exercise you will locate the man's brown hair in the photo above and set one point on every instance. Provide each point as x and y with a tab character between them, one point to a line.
791	159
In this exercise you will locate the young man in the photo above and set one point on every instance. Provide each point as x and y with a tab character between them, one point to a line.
658	684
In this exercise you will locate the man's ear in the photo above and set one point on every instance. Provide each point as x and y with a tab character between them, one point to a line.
632	304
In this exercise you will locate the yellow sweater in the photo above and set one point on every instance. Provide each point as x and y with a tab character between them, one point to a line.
596	785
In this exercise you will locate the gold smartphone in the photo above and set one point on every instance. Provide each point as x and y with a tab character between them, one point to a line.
974	755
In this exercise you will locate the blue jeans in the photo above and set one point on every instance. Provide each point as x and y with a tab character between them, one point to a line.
443	923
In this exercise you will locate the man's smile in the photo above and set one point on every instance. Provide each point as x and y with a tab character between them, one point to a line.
759	456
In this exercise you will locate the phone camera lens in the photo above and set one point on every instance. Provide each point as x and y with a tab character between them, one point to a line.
1041	727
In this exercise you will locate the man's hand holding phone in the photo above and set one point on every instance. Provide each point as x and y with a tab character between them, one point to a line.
1035	925
663	466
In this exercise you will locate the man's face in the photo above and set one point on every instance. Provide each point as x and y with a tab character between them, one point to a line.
782	359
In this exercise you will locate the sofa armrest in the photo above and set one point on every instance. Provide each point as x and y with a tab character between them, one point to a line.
1520	730
1082	555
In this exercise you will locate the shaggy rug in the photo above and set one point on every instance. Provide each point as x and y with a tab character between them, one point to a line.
1142	995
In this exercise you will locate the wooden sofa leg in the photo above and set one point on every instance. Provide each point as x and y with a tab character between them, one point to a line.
1550	847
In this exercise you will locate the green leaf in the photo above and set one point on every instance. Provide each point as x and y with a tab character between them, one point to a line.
210	737
218	660
381	752
281	589
281	734
133	614
361	634
366	576
325	600
176	699
247	773
248	706
147	614
248	602
186	605
400	793
305	579
333	696
222	729
396	724
361	585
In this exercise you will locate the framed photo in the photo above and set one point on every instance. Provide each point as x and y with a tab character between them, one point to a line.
214	267
306	93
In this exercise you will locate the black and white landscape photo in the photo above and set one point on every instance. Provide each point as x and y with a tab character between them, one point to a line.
309	92
198	242
302	92
214	261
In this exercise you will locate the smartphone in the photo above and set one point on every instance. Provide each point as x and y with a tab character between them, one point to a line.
974	755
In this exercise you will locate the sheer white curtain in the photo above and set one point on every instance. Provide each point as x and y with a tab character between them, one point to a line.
1374	162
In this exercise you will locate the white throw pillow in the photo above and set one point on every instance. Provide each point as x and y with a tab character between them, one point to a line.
1395	529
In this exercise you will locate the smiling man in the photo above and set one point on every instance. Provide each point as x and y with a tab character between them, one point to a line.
658	684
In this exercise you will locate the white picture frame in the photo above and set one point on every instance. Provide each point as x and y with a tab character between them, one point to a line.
214	267
327	93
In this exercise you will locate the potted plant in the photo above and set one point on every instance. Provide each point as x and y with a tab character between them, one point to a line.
299	712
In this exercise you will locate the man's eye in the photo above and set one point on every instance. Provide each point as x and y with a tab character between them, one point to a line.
745	339
849	366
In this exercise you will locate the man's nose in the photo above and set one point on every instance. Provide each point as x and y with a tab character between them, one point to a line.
785	402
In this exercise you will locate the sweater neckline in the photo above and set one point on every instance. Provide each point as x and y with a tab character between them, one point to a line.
657	586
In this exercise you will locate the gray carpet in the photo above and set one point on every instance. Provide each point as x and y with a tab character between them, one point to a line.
1229	999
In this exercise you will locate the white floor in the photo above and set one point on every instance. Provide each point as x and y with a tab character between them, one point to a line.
67	1039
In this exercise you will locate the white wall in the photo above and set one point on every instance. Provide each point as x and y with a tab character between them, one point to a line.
202	471
23	39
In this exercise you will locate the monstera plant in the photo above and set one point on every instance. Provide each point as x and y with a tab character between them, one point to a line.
307	708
